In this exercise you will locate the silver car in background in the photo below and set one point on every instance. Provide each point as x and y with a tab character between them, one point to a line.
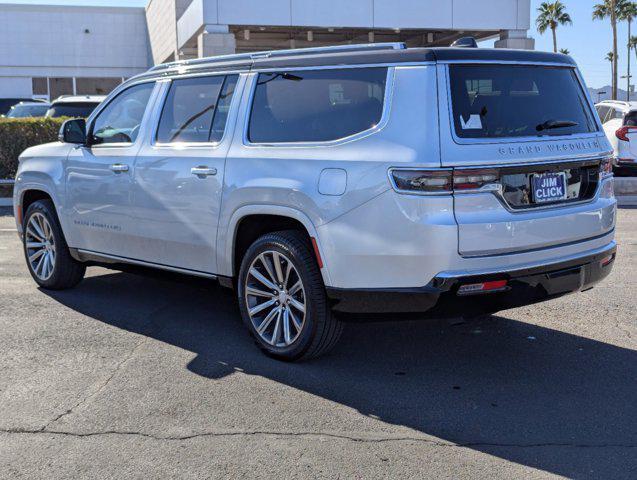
319	182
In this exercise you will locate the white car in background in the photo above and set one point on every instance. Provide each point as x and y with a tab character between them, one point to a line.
76	106
619	120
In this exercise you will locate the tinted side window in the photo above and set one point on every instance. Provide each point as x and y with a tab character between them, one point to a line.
631	119
120	120
189	110
315	106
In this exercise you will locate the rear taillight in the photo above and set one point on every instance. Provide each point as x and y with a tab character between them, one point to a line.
622	133
474	179
441	181
422	181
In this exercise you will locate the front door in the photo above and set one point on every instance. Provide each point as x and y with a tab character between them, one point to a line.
99	175
179	173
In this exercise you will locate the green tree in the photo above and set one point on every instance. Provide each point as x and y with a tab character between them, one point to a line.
564	51
550	16
628	13
611	9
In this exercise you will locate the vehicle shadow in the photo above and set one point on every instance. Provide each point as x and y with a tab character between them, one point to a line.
531	395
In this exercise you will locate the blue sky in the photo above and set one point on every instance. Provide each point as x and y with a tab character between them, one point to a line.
588	41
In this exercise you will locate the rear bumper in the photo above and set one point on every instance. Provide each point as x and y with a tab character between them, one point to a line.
440	297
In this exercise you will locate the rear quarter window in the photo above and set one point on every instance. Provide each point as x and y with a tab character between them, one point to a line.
316	105
499	101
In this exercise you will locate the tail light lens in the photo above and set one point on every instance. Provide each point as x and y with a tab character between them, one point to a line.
474	179
422	181
623	132
442	181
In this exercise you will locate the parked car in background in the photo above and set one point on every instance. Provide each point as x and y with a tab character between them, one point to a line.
77	106
619	120
28	109
7	103
317	182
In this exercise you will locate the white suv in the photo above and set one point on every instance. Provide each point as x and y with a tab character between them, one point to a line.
619	120
374	178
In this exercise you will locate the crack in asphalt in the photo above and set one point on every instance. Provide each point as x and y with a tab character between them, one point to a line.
118	367
313	434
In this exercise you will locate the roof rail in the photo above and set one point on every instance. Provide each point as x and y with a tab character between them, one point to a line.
281	53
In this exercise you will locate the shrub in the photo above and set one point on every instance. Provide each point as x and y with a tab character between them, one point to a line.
18	134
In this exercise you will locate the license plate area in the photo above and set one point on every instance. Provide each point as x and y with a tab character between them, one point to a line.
548	187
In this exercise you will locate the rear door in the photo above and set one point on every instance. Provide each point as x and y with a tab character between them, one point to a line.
536	129
179	173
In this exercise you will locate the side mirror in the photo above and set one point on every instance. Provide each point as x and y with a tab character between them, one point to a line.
73	131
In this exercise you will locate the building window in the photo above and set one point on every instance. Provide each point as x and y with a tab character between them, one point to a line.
40	86
96	86
60	86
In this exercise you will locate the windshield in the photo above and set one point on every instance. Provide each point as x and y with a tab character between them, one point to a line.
75	109
21	111
494	101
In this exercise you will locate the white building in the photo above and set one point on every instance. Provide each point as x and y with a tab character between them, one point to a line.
52	50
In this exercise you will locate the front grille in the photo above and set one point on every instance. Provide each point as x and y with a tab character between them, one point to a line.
582	179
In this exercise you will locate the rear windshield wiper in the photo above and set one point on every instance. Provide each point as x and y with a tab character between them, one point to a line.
550	124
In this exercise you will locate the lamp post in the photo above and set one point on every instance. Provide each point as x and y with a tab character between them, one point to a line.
627	77
599	95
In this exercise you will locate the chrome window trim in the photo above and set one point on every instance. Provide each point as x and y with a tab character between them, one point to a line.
527	139
384	118
194	145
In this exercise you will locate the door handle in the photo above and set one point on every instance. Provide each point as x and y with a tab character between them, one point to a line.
203	171
119	167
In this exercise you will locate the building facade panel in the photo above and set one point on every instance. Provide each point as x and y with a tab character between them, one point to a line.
328	13
254	12
412	14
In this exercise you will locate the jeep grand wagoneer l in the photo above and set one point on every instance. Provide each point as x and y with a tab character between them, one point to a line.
369	178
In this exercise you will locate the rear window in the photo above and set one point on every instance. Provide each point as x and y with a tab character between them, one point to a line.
494	101
74	109
631	119
316	106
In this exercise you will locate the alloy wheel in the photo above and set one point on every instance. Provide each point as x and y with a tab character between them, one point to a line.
40	246
275	298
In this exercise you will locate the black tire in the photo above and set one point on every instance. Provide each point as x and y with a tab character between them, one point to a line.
66	271
320	330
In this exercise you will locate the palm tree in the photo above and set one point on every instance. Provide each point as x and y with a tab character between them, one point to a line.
550	15
628	13
564	51
632	43
611	9
610	56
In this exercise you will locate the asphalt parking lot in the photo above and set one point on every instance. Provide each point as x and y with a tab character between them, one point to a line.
128	376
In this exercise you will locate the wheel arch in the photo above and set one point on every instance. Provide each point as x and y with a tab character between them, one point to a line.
250	222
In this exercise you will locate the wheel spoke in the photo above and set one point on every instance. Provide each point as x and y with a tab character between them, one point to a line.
35	224
287	274
35	244
33	257
298	305
295	320
266	321
286	327
276	259
297	286
258	293
39	266
277	329
261	307
256	274
268	268
33	234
